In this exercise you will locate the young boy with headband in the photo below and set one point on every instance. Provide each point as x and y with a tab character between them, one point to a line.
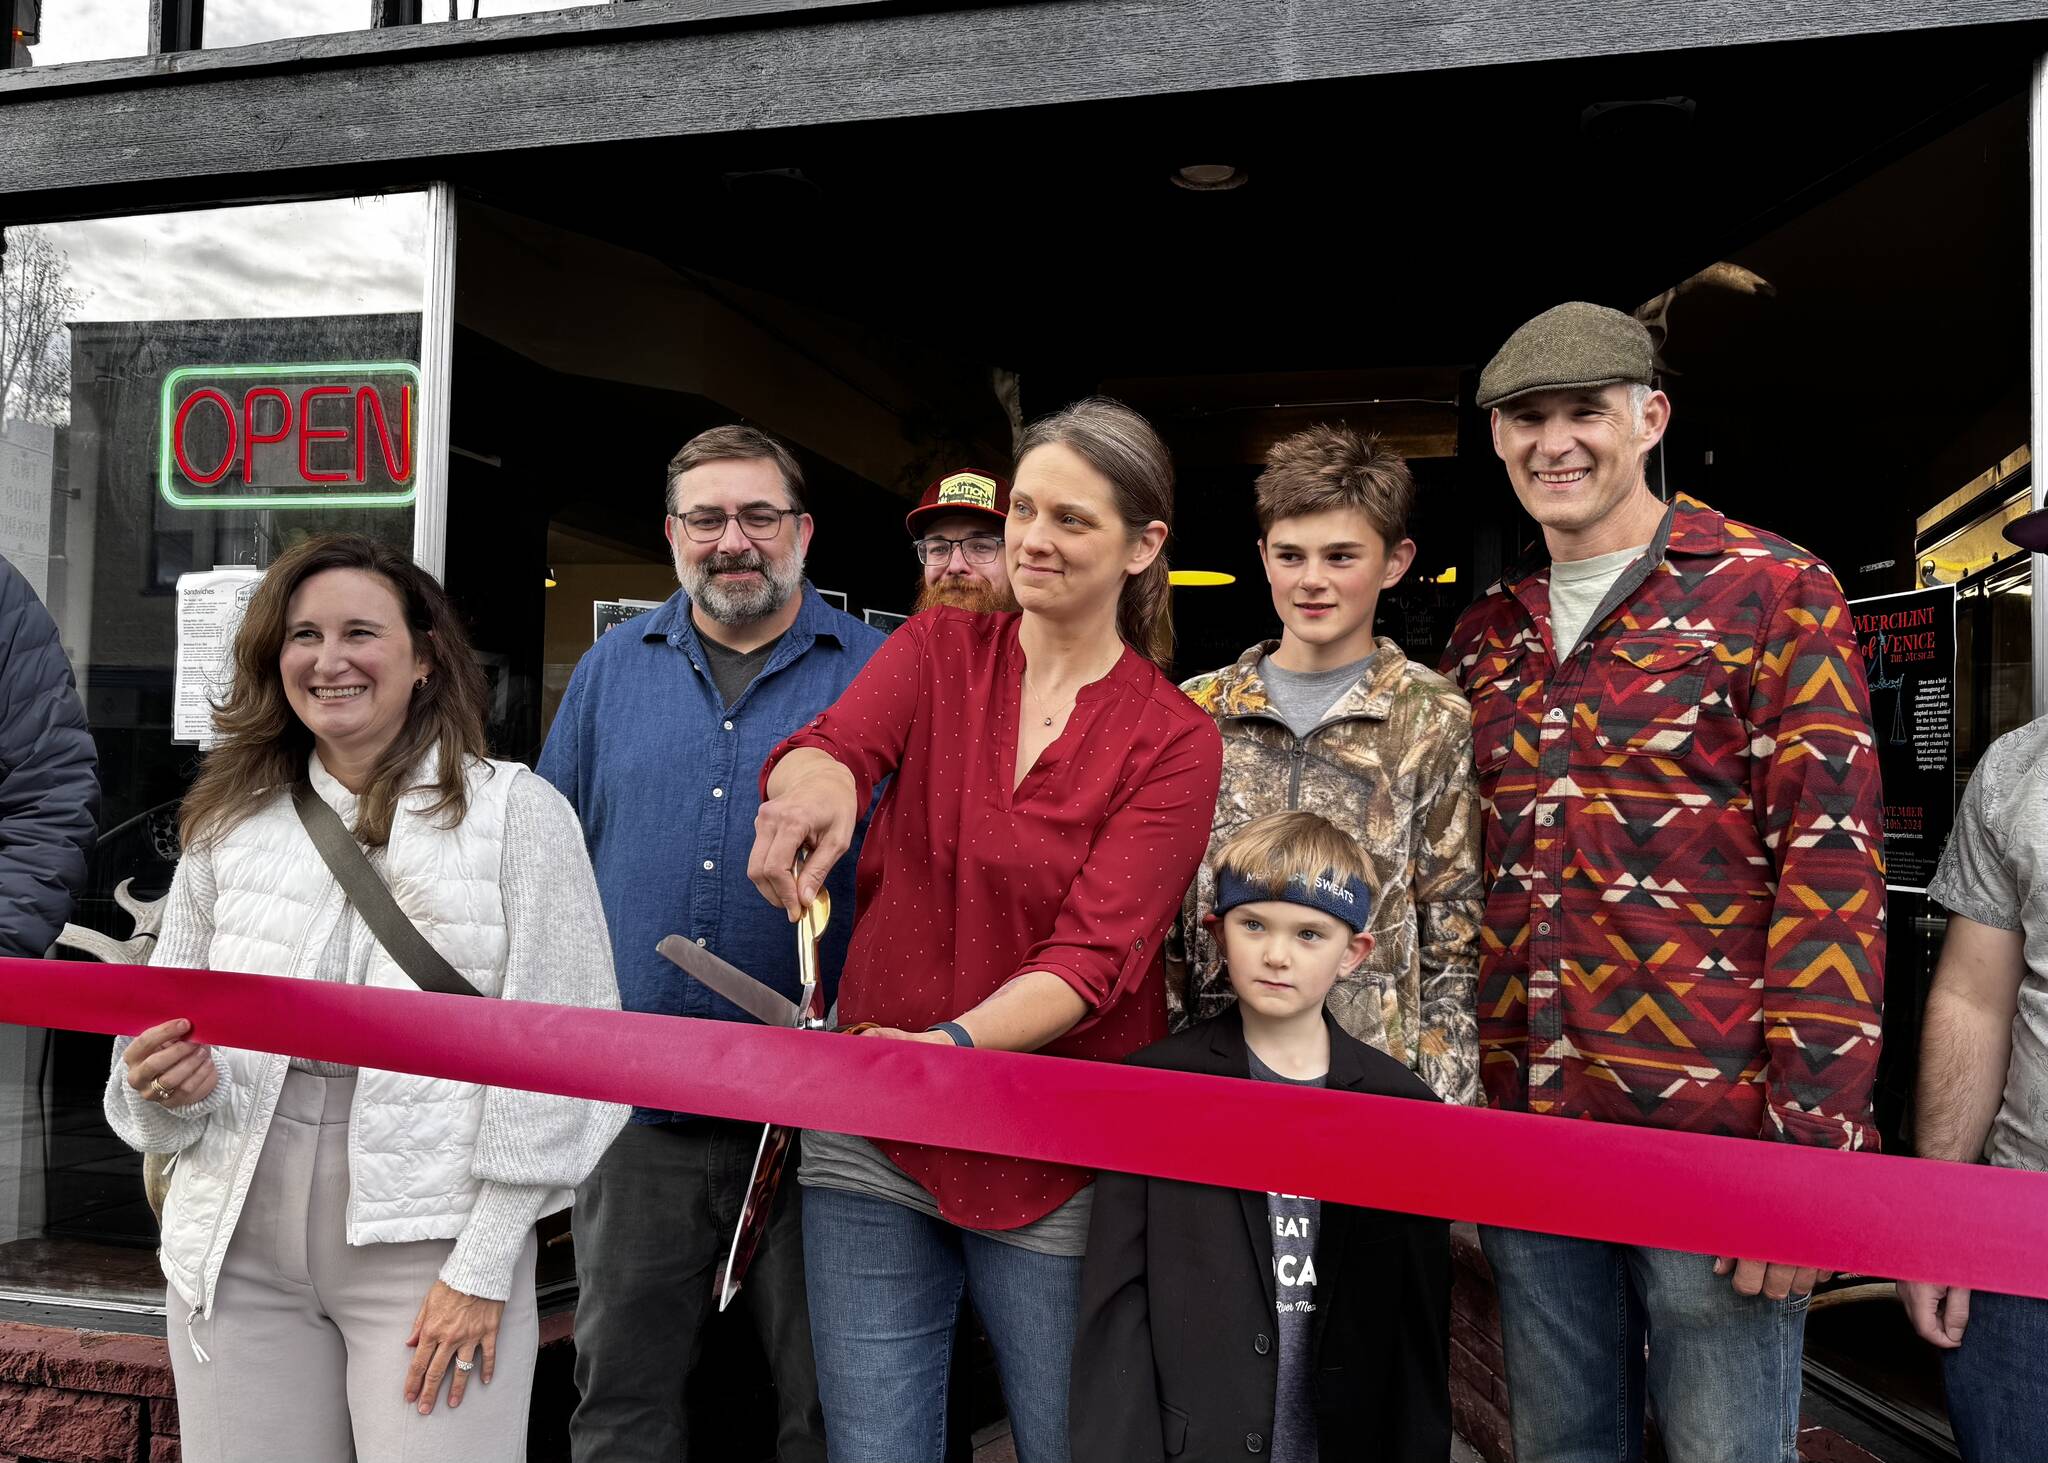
1220	1323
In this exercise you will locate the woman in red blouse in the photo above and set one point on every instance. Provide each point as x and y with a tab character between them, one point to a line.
1050	799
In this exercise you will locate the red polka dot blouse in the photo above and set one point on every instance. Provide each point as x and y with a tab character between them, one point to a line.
964	884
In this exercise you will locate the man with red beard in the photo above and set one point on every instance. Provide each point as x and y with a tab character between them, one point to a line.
956	531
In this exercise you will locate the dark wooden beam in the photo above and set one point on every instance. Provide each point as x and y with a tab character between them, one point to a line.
394	12
398	99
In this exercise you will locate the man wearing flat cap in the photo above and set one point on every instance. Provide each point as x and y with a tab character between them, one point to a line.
1983	1085
956	531
1685	891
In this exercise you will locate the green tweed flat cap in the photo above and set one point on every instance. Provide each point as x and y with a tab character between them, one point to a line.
1567	348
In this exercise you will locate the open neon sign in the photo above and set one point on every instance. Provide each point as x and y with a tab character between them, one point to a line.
300	435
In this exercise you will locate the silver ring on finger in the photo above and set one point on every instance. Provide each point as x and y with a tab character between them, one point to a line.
464	1366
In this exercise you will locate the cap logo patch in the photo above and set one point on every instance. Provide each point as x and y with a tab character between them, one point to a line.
970	488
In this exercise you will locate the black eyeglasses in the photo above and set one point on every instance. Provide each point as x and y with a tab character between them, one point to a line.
981	548
707	525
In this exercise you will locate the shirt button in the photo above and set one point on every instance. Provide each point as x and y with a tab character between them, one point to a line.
1262	1343
1556	714
718	792
700	939
1253	1443
728	726
708	864
1541	929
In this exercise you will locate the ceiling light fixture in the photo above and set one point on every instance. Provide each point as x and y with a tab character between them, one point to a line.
550	577
1210	177
1199	578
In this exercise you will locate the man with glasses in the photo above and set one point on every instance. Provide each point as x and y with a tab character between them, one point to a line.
658	744
956	531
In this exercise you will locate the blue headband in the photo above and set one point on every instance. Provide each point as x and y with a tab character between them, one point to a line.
1346	900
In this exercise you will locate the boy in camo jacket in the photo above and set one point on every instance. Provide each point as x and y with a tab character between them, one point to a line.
1330	719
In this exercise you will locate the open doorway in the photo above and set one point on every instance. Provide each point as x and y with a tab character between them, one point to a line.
1832	253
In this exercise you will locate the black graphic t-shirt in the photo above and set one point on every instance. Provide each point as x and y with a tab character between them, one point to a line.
1294	1220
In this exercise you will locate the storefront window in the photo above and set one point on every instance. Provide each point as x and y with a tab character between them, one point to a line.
244	22
98	30
485	9
86	30
188	395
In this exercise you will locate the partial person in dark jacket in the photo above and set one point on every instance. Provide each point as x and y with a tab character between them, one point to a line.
1220	1323
49	782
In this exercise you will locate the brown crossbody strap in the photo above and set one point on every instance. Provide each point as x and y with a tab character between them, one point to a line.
399	936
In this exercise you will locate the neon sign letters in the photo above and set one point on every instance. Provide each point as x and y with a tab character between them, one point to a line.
300	435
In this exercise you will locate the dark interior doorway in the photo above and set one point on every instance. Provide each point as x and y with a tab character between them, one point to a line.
1842	227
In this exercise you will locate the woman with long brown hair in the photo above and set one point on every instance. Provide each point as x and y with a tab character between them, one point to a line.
335	1239
1050	793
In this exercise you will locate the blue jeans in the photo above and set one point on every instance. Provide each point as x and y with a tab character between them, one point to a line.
1722	1376
1995	1401
885	1283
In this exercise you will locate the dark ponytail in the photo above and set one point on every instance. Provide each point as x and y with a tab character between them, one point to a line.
1121	445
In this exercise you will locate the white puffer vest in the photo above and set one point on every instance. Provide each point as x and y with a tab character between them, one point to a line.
410	1138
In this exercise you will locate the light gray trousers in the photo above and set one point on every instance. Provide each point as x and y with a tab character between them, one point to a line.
306	1344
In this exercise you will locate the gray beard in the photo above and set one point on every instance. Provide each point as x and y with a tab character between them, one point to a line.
730	604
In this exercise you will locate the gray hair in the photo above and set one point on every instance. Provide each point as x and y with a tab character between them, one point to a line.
1638	397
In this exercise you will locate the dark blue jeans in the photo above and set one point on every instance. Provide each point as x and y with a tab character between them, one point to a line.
1995	1400
1721	1375
885	1284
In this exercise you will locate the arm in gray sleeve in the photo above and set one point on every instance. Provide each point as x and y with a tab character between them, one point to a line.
532	1144
1976	878
185	940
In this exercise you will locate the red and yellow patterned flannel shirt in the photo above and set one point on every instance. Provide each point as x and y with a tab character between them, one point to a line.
1685	911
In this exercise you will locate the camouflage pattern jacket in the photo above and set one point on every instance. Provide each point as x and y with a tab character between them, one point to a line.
1390	764
1685	912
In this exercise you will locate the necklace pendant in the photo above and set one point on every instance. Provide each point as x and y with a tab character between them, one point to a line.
1048	721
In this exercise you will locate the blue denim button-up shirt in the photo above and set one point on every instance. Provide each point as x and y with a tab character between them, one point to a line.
665	778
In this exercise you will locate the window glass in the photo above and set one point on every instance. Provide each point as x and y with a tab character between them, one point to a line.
93	30
161	375
485	9
243	22
87	30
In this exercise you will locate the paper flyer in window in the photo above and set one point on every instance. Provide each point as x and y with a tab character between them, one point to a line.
607	613
210	610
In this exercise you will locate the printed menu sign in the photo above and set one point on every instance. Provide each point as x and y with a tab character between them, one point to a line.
210	610
1909	660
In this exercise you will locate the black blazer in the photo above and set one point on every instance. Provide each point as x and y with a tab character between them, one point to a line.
1174	1354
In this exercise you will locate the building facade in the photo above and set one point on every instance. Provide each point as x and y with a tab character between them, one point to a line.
468	284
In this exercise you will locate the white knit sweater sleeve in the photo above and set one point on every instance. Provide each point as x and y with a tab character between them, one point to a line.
559	951
185	939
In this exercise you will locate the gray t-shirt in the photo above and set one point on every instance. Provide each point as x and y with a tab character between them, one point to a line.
1576	588
1303	698
1995	871
856	1166
732	671
1295	1219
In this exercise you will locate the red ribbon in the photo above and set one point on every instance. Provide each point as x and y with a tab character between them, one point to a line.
1873	1214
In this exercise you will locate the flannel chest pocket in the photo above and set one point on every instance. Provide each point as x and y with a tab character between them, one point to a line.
1494	691
1650	690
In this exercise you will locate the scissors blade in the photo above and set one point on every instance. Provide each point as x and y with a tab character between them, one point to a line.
730	981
